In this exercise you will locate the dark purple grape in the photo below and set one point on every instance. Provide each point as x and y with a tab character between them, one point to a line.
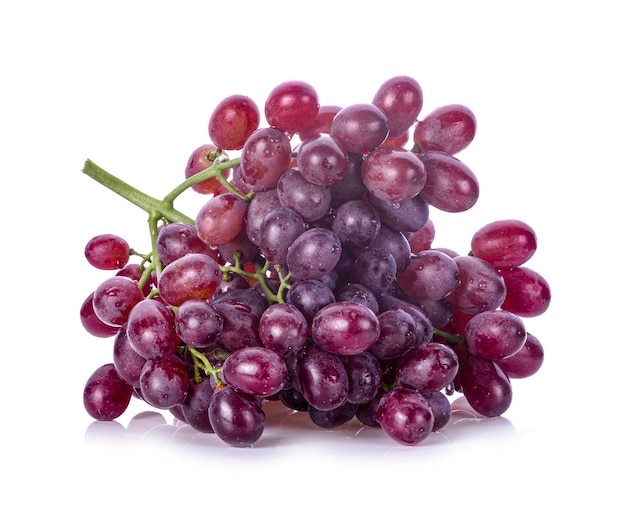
164	383
178	239
195	408
128	363
198	323
350	187
309	200
313	254
293	399
333	418
356	292
262	203
441	407
283	328
241	246
404	216
114	298
322	160
374	268
430	275
236	418
322	378
240	326
398	334
279	229
309	296
356	223
345	328
366	413
256	371
485	386
423	326
494	334
106	395
364	377
150	329
405	415
396	243
360	127
481	287
428	368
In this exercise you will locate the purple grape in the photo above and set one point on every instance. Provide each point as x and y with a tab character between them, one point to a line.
240	327
525	362
198	323
441	408
128	363
364	377
450	128
92	324
393	174
264	157
356	292
398	334
494	334
404	216
360	127
309	200
195	408
485	386
374	268
256	371
430	275
151	330
322	378
405	415
350	187
322	160
164	383
332	418
313	254
114	298
356	223
279	229
396	243
401	99
283	329
106	395
178	239
428	368
309	296
107	252
260	205
236	418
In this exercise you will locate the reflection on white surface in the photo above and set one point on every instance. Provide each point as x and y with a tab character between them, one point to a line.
286	429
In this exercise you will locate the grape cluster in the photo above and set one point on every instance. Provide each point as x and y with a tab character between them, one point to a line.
308	277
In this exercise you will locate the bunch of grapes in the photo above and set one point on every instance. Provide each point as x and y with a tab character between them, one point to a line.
308	277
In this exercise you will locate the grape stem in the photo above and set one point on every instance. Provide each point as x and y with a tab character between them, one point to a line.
202	363
452	338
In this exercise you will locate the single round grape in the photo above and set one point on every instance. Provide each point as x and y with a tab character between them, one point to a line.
114	298
256	371
481	287
233	120
356	223
401	98
345	328
150	329
405	415
283	328
128	362
393	174
423	326
525	362
430	275
398	334
321	123
355	292
221	218
404	216
494	334
195	408
314	253
395	242
90	321
441	407
375	268
364	376
528	294
428	368
107	252
198	323
450	185
292	106
450	128
334	418
236	418
309	200
164	383
106	395
322	378
485	386
360	127
309	296
293	399
264	158
240	325
322	160
366	413
193	276
178	239
260	205
279	229
504	243
350	187
200	159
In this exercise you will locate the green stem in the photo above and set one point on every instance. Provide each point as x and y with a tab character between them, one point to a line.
201	362
452	338
155	208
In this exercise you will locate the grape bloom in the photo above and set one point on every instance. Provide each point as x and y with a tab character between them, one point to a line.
308	277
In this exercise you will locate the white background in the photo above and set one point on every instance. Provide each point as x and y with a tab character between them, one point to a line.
131	85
